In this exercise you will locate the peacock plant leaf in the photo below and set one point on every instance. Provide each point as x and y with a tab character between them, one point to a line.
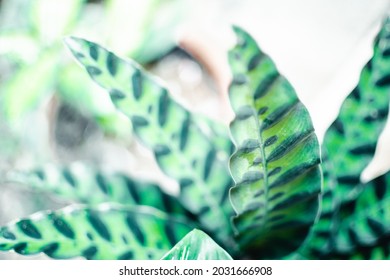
276	165
184	149
350	143
364	230
83	184
109	231
197	245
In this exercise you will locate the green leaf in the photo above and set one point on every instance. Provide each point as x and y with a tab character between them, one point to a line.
93	101
197	245
80	183
19	99
184	149
19	45
276	164
106	232
350	143
52	19
365	223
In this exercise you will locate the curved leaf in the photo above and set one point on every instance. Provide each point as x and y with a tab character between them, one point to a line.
184	149
104	232
350	143
276	165
364	230
197	245
83	184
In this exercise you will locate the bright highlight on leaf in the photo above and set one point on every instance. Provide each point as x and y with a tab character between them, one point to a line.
197	245
276	164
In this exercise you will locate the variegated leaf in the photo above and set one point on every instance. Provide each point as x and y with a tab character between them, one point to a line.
184	149
276	165
109	231
83	184
197	245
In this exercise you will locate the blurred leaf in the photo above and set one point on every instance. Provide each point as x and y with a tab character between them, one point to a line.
19	45
197	245
276	164
84	184
23	92
52	18
184	150
90	99
350	143
108	231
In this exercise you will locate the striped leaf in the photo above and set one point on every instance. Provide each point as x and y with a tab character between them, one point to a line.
350	143
108	231
184	148
364	228
83	184
197	245
276	164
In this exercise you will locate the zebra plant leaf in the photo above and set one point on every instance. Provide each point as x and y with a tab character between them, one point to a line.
350	143
276	164
109	231
184	149
83	184
197	245
364	229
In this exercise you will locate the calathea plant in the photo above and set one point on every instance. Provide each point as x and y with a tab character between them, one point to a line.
263	194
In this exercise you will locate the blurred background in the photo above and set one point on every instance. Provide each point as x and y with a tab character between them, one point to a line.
50	111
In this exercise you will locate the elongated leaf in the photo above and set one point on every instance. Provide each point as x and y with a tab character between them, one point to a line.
276	165
19	99
364	230
83	184
184	149
350	144
197	245
104	232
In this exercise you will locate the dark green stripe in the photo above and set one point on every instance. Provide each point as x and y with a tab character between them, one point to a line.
248	146
116	94
289	144
163	106
93	71
265	85
380	187
254	61
356	94
112	63
339	126
383	81
239	79
139	121
184	132
28	228
161	150
185	182
133	190
262	110
244	112
251	176
89	253
7	234
278	114
69	177
98	225
136	81
293	173
126	256
376	227
135	229
50	249
210	158
365	149
274	171
349	179
94	52
102	183
170	232
271	140
41	175
63	227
